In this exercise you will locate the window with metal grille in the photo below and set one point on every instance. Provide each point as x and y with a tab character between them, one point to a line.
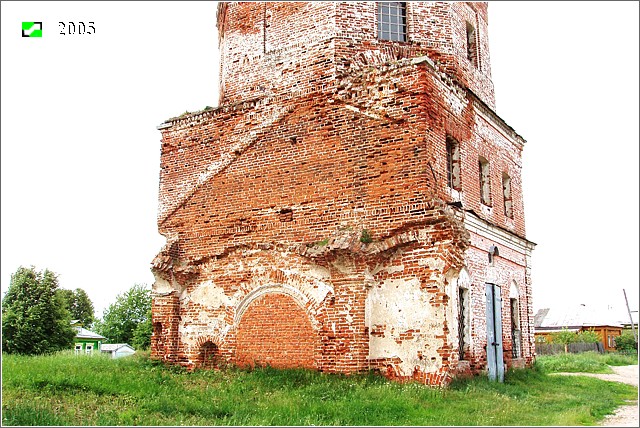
462	321
392	21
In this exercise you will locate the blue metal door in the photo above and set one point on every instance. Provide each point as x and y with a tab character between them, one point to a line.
495	360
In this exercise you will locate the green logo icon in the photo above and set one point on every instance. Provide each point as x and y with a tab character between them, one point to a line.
32	29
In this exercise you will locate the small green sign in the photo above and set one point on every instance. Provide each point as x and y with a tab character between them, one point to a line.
32	29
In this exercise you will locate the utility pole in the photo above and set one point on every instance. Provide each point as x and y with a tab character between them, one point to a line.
633	329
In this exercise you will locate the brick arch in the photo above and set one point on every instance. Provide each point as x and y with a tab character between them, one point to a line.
275	329
208	355
157	340
298	296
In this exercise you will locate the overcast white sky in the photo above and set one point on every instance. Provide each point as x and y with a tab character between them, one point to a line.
80	150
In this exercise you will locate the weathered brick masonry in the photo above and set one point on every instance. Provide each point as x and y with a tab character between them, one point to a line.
316	218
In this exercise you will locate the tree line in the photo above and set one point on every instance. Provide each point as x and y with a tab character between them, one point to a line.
37	315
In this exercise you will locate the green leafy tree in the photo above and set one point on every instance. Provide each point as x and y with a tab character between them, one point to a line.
79	305
626	343
541	339
588	336
565	337
142	333
121	318
34	317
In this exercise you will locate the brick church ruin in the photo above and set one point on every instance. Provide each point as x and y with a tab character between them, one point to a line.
353	204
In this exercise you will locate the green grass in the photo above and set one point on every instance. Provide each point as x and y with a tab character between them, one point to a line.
586	362
69	390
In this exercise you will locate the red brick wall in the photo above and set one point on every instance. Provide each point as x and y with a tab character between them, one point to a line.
509	268
325	135
276	331
283	47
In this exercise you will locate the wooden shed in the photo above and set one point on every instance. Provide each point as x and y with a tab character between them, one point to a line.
117	350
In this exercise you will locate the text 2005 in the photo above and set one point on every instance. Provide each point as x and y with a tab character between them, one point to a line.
68	28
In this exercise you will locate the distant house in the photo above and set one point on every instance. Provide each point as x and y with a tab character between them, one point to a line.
85	341
626	322
577	318
117	350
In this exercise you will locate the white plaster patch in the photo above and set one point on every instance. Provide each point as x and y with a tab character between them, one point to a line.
161	286
343	267
184	297
250	252
210	295
317	272
320	290
399	303
407	351
394	269
432	263
492	275
456	102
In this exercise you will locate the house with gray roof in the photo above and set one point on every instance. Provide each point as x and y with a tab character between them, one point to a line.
85	341
578	318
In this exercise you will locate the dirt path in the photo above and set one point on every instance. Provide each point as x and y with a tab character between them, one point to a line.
624	416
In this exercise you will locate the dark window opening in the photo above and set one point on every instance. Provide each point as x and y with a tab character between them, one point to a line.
516	336
453	164
156	338
472	47
285	214
392	21
506	193
208	355
485	184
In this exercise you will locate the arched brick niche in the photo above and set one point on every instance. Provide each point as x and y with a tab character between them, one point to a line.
275	330
208	355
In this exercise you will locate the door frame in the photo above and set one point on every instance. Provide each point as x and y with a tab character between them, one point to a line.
495	354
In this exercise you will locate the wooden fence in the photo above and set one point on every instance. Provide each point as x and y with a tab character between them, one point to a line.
575	348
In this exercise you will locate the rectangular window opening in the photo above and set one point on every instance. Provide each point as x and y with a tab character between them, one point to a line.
392	21
462	321
516	335
472	47
485	184
506	193
453	164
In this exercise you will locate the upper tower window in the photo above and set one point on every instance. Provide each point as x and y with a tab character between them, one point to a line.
485	184
453	164
472	47
506	193
392	21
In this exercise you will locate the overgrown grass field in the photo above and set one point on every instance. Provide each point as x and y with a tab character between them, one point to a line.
586	362
64	389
